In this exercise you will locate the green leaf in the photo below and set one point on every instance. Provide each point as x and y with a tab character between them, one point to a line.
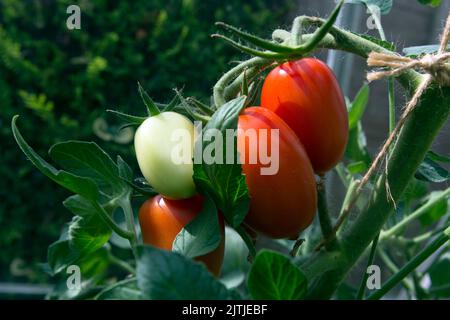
415	189
60	255
356	149
81	185
440	277
166	275
431	171
420	50
254	40
152	108
171	105
274	277
235	262
123	290
124	170
224	182
93	269
87	159
201	235
356	167
86	234
438	210
438	157
130	119
431	3
358	106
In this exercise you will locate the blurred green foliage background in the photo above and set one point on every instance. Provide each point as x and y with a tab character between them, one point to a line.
61	82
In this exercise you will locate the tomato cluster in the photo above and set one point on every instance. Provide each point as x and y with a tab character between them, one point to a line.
302	101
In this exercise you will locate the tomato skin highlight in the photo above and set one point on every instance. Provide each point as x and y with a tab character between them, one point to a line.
162	219
282	204
307	96
156	142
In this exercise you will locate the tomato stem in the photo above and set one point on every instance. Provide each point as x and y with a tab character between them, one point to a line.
248	241
324	216
110	222
396	229
121	263
129	218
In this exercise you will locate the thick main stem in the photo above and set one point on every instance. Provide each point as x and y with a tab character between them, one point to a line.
413	142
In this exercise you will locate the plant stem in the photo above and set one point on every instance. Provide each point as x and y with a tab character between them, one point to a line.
248	241
122	264
428	235
410	266
110	222
391	97
349	195
362	286
393	268
419	292
324	216
129	218
416	214
249	65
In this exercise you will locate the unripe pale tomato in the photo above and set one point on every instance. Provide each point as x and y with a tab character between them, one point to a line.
307	96
284	203
164	146
162	219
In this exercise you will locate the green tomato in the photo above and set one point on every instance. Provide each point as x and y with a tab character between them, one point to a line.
164	146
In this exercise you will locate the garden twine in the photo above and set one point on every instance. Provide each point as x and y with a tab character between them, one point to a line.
436	69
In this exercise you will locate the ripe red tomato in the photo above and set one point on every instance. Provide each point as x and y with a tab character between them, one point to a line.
307	96
162	219
282	204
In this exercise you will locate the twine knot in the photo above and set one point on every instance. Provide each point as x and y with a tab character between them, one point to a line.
433	64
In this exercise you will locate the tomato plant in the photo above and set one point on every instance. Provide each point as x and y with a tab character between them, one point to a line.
284	203
306	95
185	207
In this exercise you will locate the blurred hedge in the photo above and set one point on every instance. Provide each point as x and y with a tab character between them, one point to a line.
61	81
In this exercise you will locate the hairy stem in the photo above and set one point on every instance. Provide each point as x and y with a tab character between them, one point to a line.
129	218
395	230
324	216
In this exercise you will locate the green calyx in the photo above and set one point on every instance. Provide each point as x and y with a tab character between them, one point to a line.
279	51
